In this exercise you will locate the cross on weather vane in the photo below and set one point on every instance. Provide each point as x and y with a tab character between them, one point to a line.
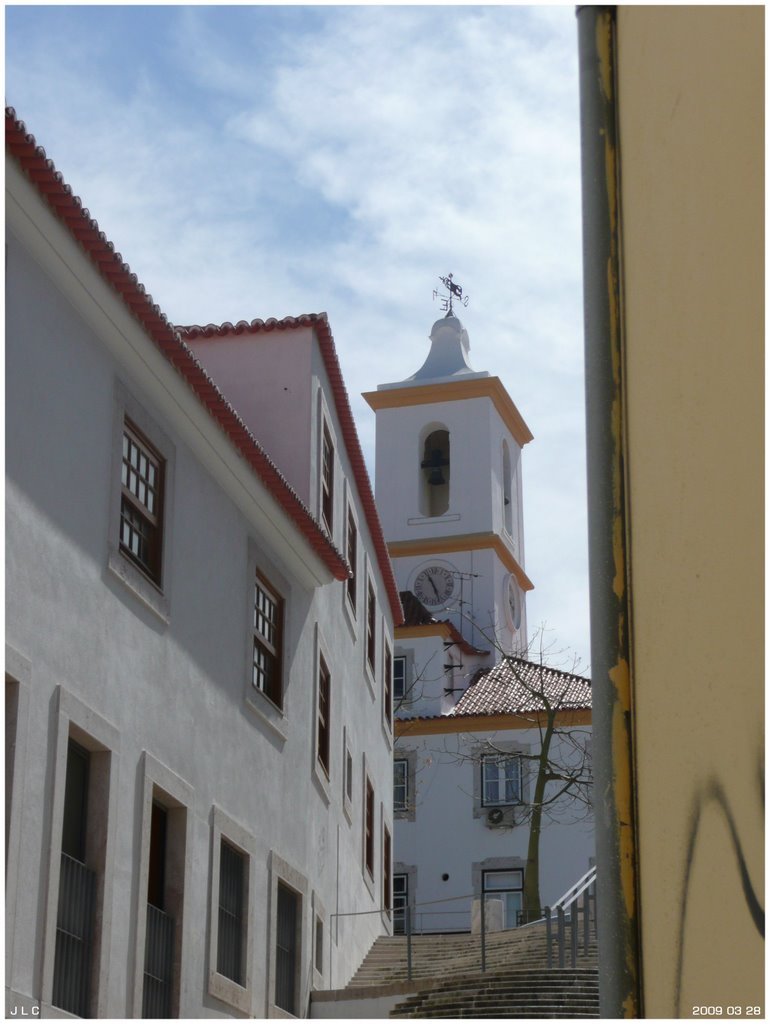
455	292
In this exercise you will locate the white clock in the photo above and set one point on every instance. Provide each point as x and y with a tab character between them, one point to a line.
513	598
434	585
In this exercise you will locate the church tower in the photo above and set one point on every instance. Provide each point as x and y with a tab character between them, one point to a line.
448	491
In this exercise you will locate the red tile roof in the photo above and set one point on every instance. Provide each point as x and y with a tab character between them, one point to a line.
516	685
109	264
320	324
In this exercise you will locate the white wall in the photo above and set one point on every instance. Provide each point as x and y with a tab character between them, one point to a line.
446	837
172	688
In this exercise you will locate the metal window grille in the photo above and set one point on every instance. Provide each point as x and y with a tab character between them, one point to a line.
74	937
141	502
352	557
232	891
400	784
324	697
286	950
158	964
268	624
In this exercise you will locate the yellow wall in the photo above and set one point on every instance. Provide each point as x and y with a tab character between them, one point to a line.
690	100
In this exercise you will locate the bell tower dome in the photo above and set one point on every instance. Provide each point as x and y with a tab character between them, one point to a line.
448	490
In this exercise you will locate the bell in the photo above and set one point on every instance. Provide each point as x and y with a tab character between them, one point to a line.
436	478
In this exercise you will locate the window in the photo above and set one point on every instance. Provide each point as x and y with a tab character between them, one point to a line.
371	627
434	474
324	721
400	784
77	892
352	553
159	936
500	780
387	687
502	891
141	503
386	869
348	782
268	638
399	677
369	828
327	480
287	949
319	945
233	880
163	875
400	903
507	502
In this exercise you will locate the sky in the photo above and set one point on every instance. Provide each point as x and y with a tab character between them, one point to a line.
277	160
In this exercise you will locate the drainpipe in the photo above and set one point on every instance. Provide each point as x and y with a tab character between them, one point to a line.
616	855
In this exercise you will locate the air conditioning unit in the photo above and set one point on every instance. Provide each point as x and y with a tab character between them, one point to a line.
495	817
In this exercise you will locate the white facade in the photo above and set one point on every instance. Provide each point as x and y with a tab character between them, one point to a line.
449	491
288	797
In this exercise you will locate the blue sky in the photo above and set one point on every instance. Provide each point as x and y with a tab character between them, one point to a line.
271	161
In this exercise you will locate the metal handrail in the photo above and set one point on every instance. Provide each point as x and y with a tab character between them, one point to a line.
569	897
585	887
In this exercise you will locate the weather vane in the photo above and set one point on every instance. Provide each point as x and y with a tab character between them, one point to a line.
455	292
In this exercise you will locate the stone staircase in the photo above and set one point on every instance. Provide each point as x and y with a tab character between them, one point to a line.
516	982
565	993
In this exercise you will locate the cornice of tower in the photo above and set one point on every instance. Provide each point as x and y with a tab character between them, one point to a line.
462	542
400	397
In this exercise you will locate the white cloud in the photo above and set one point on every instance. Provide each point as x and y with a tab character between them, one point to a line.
275	166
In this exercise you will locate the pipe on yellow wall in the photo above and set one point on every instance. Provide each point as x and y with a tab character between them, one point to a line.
616	854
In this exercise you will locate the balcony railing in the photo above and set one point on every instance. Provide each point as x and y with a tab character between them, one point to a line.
158	964
74	937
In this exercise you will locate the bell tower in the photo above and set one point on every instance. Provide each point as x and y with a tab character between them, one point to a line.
448	490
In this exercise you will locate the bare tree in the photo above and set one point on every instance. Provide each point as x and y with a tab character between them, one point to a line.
556	703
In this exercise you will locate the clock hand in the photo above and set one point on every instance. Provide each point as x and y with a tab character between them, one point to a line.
435	590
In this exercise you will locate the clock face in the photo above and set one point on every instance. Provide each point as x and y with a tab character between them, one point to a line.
434	585
514	602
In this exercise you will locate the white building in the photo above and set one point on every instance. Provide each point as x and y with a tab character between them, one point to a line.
449	493
198	694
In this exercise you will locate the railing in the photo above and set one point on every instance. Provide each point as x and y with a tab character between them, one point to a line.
74	937
577	906
158	964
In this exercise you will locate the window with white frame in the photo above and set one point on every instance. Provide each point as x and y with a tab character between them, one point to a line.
400	784
500	780
399	677
387	686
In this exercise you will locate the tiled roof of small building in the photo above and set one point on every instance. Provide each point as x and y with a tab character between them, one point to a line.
516	685
415	612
